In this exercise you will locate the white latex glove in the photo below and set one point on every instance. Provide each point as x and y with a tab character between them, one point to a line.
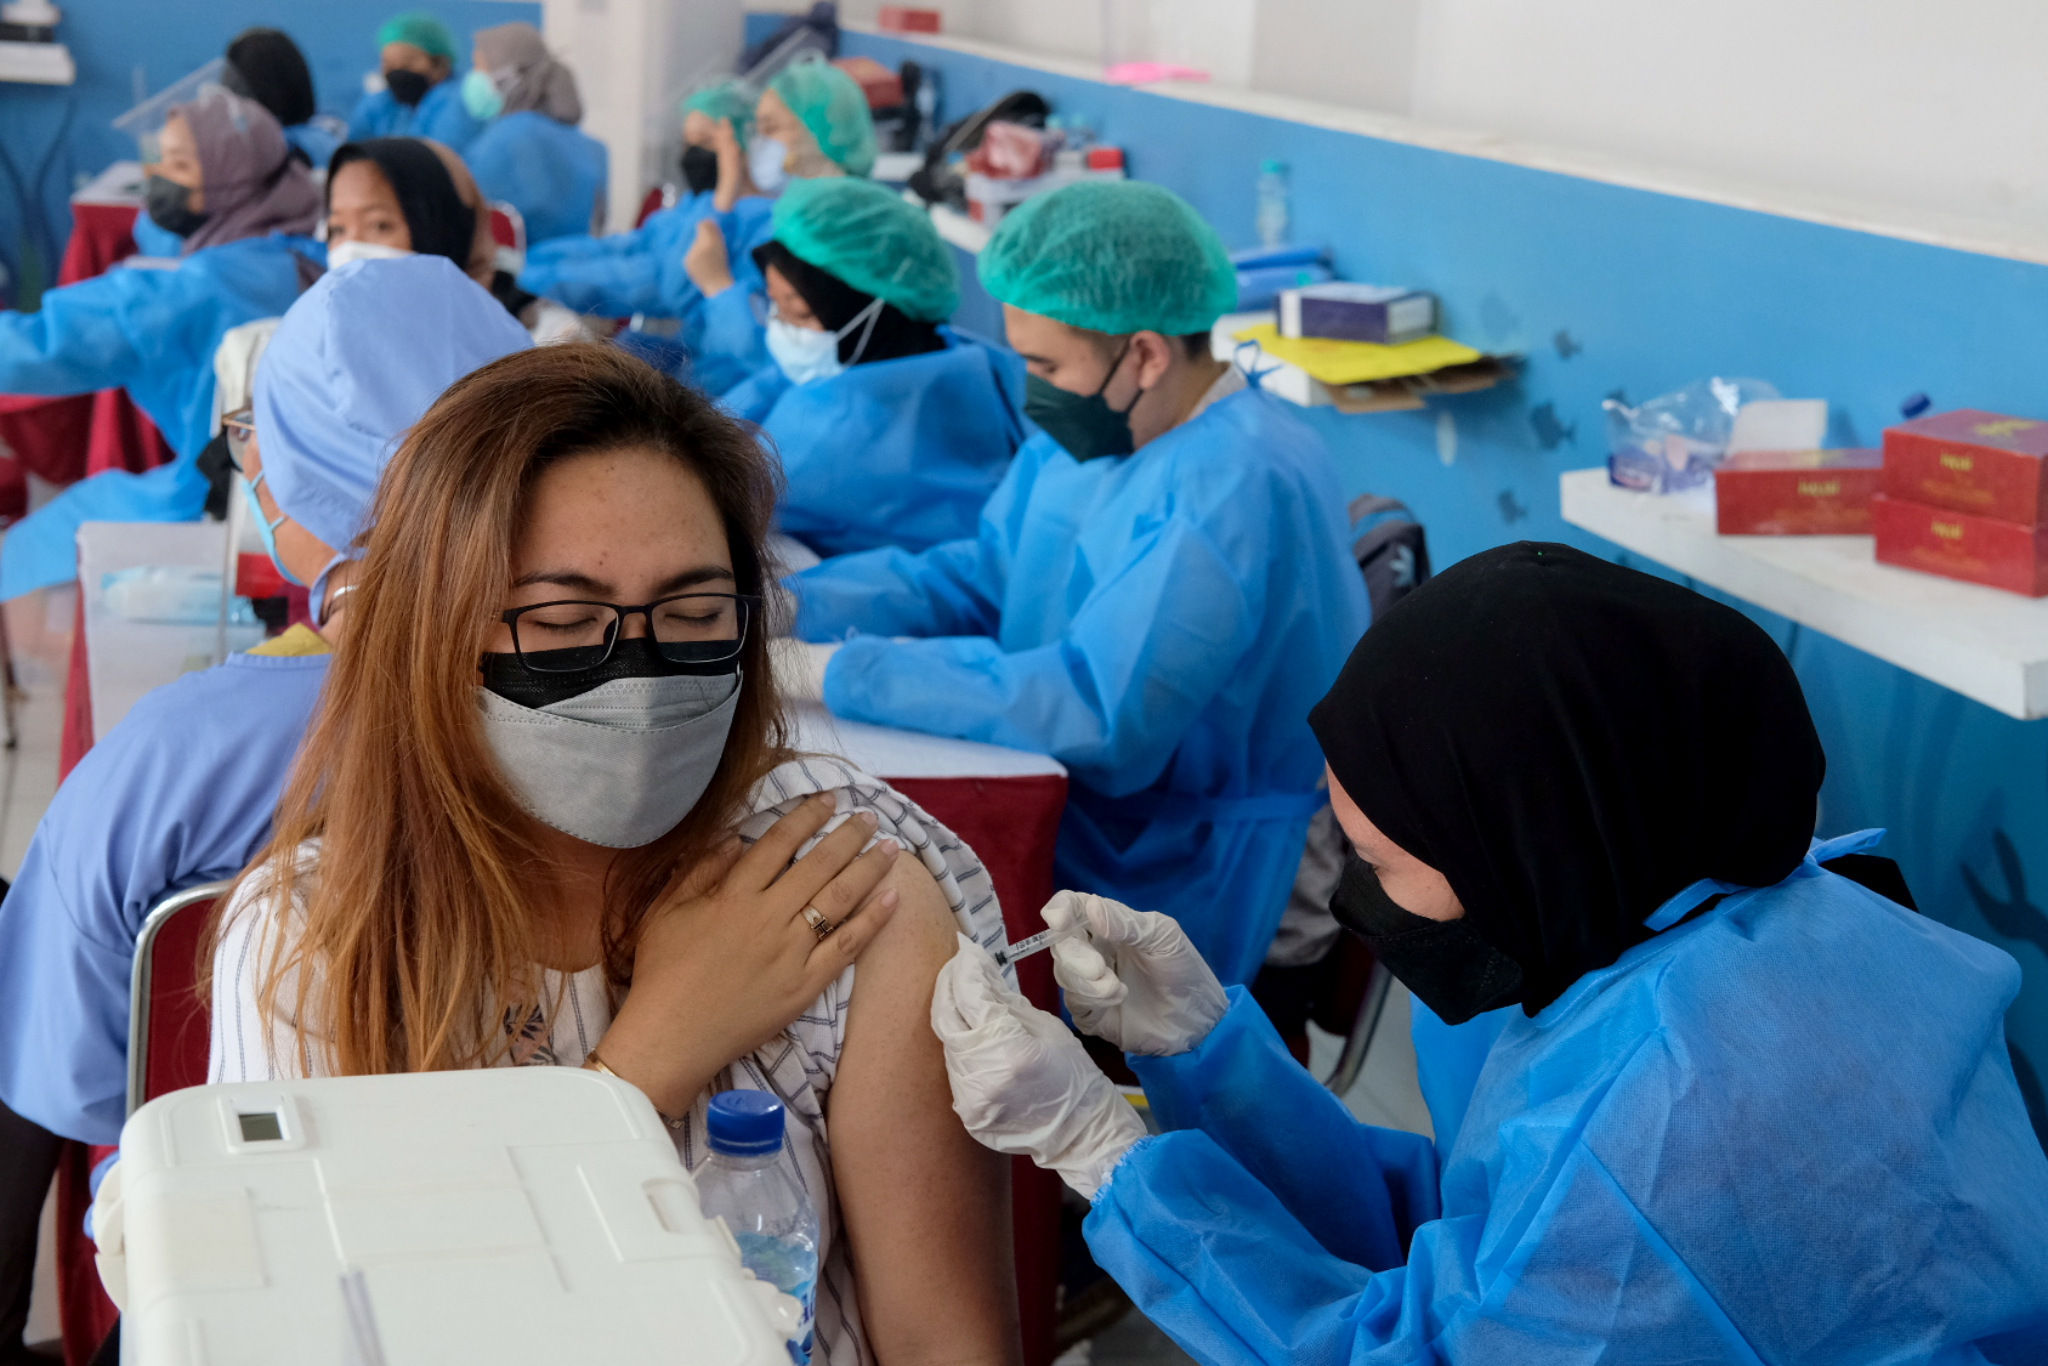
1132	977
800	667
1022	1083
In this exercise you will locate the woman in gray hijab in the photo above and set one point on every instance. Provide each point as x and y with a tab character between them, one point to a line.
530	155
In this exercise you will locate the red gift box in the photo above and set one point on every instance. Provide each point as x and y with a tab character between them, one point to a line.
1797	493
1957	545
1970	461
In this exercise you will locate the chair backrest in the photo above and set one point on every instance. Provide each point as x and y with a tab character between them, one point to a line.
1391	550
167	1020
508	230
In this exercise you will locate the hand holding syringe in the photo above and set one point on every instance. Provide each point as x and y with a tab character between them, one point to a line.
1030	944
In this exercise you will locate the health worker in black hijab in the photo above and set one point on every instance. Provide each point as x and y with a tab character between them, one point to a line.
1744	1108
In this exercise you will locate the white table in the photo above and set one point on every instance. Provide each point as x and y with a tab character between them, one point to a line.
125	659
890	753
1986	644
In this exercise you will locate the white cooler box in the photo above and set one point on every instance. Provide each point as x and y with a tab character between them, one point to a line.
520	1214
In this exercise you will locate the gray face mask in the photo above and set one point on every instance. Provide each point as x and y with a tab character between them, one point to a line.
620	765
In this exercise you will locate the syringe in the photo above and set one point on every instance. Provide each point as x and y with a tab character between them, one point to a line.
1028	945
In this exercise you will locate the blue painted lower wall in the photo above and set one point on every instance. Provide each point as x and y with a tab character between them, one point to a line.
1608	290
54	134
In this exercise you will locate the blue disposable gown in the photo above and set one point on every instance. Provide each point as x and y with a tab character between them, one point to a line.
180	793
642	271
154	242
152	332
315	141
898	452
1161	623
439	115
552	173
1787	1130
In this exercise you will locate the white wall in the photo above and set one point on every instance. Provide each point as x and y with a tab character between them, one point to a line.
1888	109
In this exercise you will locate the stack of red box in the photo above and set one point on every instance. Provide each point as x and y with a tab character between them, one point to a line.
1796	493
1966	496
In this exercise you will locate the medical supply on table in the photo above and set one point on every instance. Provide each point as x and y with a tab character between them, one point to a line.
1796	493
1981	463
1386	315
1272	216
1263	273
745	1183
1673	442
181	595
499	1214
1958	545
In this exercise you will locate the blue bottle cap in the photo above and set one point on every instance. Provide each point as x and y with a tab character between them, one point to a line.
745	1123
1915	405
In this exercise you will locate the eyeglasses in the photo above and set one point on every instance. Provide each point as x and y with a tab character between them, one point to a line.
240	428
571	636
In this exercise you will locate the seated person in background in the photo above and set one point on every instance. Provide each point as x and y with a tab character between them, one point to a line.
812	123
416	54
543	796
641	272
390	197
229	186
265	65
892	428
1159	590
529	153
181	792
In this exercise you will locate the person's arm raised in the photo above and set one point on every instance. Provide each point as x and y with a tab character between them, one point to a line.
927	1209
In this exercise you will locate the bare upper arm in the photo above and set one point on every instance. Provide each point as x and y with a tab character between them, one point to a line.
927	1209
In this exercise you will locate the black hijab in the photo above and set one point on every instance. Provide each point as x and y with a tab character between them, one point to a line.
441	224
1572	744
265	65
836	303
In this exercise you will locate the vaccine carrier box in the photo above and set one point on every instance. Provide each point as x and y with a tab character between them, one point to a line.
503	1215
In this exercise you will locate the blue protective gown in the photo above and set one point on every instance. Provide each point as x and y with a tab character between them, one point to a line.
439	115
898	452
157	243
180	793
315	141
1785	1131
732	338
1448	1060
152	332
642	271
1161	624
552	173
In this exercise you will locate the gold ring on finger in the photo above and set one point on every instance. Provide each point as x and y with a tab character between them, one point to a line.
820	926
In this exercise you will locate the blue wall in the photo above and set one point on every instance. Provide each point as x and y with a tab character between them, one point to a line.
1606	289
64	132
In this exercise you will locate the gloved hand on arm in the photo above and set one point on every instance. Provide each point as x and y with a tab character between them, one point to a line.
1022	1083
1132	978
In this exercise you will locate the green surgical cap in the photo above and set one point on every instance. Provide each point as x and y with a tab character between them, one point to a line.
726	100
872	240
1112	256
421	30
834	107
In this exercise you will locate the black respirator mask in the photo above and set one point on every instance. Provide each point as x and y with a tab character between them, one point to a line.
1445	963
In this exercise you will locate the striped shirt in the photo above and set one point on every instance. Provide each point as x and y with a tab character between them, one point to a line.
797	1066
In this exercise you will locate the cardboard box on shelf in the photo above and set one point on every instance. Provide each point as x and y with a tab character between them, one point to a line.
1985	464
1797	493
1958	545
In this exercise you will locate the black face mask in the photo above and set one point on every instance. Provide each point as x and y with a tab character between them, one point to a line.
634	657
1084	425
1444	962
407	87
700	169
169	206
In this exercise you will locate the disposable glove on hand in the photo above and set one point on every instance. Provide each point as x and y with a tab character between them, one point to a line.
1022	1083
1132	977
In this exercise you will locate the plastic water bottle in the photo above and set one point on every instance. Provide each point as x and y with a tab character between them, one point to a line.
1272	213
745	1182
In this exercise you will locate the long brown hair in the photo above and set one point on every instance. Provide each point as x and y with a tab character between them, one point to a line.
416	931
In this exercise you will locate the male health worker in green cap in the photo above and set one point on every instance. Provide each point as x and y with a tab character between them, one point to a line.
416	53
1159	591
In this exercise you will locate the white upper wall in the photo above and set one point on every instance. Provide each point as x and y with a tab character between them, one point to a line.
1889	111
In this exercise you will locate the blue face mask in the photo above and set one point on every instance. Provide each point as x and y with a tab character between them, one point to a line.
267	529
808	355
481	96
766	160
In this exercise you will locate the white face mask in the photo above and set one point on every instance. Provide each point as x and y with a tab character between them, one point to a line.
339	256
765	158
808	355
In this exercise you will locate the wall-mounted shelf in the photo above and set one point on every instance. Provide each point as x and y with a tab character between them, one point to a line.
1985	644
1402	394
